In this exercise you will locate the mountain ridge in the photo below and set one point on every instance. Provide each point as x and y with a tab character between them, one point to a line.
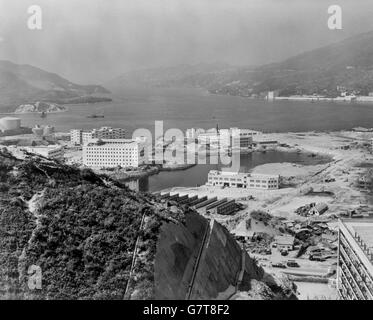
25	84
345	65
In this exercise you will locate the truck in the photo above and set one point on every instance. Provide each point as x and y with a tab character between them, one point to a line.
292	264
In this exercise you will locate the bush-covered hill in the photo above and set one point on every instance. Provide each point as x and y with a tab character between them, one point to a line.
79	228
25	84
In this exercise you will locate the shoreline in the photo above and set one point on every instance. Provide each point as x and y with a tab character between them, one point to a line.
346	150
33	112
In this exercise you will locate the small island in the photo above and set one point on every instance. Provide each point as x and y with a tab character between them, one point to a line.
40	106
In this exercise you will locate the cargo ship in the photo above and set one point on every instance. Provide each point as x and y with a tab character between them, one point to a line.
96	116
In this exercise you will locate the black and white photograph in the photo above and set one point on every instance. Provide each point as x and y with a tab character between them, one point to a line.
186	150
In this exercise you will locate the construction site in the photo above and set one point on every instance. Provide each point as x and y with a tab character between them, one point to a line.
293	230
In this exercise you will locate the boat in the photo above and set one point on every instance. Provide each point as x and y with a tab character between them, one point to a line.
96	116
43	114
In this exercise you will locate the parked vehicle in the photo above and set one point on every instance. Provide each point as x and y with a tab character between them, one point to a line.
284	252
292	264
316	258
278	265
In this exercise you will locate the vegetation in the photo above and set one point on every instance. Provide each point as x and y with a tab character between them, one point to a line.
79	228
345	66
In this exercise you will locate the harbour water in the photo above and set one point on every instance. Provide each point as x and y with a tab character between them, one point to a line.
134	108
181	108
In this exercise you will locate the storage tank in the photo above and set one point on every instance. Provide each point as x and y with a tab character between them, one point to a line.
10	123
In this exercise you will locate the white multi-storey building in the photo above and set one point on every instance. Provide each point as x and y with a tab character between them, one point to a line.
108	153
355	259
80	137
243	180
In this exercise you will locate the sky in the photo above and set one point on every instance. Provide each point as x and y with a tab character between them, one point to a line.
93	41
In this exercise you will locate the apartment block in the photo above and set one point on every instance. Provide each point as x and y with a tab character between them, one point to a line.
80	137
110	153
355	258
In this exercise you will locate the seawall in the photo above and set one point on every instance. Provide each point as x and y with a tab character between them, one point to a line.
201	260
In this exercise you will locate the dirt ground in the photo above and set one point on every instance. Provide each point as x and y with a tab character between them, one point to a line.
344	169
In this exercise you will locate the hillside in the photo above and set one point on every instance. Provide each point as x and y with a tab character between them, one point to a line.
81	230
347	64
207	76
25	84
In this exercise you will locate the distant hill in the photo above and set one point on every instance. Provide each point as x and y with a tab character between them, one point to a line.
347	64
208	76
24	84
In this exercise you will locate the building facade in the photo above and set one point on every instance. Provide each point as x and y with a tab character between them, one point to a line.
51	152
80	137
223	138
284	242
243	180
264	141
109	153
355	258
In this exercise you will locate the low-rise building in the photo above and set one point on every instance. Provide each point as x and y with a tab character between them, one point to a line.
264	141
318	209
110	153
284	242
243	180
232	137
80	136
366	181
51	152
355	260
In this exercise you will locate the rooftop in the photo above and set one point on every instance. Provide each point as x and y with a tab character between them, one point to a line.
10	118
242	174
365	232
362	232
115	142
39	147
284	240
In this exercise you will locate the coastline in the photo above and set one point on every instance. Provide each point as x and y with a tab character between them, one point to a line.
34	112
347	151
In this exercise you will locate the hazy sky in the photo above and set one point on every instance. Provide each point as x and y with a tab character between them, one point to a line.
90	41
